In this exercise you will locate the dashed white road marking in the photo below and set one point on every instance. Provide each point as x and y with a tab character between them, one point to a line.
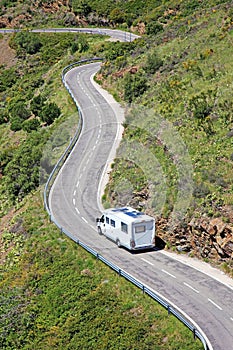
216	305
168	273
74	201
231	318
74	194
148	262
77	210
77	184
188	285
84	220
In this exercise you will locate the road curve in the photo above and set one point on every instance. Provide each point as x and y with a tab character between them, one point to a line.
113	33
74	204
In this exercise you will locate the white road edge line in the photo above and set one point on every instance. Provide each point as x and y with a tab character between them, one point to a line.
212	302
148	262
168	273
188	285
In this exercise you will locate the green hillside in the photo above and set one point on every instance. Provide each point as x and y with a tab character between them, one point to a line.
175	82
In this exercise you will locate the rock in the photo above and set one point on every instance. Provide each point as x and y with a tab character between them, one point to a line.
183	248
205	251
216	226
219	250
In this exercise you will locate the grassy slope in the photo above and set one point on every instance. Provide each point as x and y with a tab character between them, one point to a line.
55	295
196	54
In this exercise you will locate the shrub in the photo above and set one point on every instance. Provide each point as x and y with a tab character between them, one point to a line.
19	110
7	78
3	117
22	172
50	112
30	125
16	123
153	28
153	63
37	104
134	86
27	41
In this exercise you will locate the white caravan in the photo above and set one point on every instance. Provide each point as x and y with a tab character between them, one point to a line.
127	227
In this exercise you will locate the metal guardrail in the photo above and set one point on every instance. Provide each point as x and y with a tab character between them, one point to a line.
197	332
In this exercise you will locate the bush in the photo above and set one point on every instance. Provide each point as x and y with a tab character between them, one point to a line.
19	110
28	41
153	63
30	125
134	86
50	112
7	78
37	104
22	172
16	123
153	28
3	117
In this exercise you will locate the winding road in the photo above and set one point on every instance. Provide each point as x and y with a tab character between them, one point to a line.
195	289
74	204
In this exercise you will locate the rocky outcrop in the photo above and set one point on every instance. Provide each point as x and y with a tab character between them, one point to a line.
205	238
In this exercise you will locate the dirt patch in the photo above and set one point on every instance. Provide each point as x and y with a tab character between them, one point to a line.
7	55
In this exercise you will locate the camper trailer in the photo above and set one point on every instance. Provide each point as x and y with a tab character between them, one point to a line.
127	227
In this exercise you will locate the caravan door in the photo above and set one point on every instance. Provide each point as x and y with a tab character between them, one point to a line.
143	234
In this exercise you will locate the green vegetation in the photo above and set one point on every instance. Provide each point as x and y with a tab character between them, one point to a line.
184	75
54	295
29	109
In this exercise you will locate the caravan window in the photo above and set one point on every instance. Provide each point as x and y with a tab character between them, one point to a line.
107	220
124	227
112	223
140	229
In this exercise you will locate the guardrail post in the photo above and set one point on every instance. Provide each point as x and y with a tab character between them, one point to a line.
168	309
194	333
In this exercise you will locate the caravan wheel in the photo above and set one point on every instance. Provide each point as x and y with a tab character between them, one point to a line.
118	243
